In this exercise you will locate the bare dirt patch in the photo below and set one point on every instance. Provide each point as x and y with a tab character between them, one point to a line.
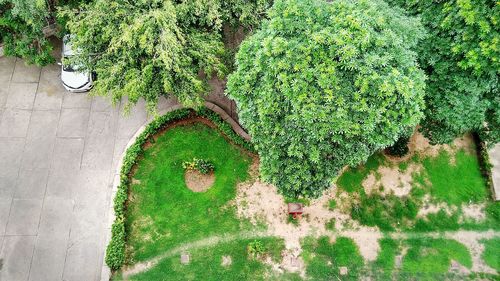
197	181
473	211
261	202
420	144
226	261
392	180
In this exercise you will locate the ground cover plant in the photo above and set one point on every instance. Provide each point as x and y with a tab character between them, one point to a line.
428	259
325	259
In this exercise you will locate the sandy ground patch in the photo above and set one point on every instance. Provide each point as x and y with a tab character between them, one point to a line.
197	181
473	211
260	202
429	207
392	180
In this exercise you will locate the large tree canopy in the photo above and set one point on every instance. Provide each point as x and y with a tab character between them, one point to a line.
149	48
461	56
324	85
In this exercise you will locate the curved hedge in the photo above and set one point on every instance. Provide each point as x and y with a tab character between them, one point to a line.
115	252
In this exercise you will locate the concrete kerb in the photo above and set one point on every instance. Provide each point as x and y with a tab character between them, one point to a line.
105	271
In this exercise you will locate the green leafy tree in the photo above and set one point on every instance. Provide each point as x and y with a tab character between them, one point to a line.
461	57
149	48
324	85
21	30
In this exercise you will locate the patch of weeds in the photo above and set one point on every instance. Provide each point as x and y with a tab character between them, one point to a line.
438	221
324	259
386	212
429	258
256	249
332	204
330	225
403	166
292	220
455	183
491	253
351	179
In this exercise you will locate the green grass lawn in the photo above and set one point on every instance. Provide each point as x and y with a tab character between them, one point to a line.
162	212
456	183
324	259
491	254
430	259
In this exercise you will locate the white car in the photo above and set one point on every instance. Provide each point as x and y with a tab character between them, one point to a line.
72	79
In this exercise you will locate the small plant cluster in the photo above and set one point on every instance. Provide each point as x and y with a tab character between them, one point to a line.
115	252
201	165
256	248
400	148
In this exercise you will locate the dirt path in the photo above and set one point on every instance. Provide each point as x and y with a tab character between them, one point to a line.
206	242
470	239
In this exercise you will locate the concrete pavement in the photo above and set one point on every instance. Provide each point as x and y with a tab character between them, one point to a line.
58	155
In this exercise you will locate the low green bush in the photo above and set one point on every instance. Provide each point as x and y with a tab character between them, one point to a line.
115	251
256	248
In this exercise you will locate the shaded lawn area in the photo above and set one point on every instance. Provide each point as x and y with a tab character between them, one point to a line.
206	264
162	212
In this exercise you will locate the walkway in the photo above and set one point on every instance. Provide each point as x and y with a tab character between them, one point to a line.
495	160
58	155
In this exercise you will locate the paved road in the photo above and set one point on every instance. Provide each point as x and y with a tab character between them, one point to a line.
58	155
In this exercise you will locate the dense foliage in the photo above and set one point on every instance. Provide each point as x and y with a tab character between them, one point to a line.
21	24
151	48
461	56
323	85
